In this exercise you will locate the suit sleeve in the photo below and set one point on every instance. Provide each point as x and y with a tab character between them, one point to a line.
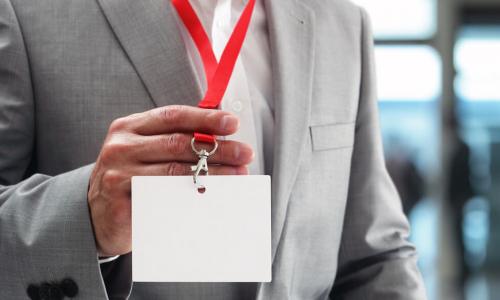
375	259
45	229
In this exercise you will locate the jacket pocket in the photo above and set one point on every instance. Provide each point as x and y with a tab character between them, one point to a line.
332	136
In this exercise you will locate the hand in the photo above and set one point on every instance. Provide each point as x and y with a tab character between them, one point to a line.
156	142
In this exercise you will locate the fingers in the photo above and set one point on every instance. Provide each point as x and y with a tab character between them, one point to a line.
177	147
184	169
177	118
120	181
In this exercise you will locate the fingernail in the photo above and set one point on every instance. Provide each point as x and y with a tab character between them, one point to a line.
229	122
245	154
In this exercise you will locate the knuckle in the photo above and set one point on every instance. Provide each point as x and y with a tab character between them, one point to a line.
174	168
175	143
172	113
111	179
114	147
106	155
118	125
212	117
225	152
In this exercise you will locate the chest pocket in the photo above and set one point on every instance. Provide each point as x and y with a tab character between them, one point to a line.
332	136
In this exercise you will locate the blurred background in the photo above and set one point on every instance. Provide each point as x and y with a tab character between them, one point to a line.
438	65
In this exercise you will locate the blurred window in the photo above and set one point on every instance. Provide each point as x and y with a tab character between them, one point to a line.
402	19
477	60
477	83
408	73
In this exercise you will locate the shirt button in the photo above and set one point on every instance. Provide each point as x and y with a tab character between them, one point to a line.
220	23
237	106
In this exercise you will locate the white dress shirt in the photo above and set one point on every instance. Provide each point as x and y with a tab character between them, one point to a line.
249	93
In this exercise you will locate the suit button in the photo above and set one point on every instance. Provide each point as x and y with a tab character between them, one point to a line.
50	292
69	287
33	292
237	106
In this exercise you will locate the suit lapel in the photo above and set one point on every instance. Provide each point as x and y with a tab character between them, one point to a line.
291	31
148	32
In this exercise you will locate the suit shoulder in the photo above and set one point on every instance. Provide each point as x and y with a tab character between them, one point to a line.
344	11
338	16
343	6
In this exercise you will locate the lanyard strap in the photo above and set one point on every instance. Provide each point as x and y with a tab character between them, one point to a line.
217	74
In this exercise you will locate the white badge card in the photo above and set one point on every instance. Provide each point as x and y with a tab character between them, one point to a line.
182	235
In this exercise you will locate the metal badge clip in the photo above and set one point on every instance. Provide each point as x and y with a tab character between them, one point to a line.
202	164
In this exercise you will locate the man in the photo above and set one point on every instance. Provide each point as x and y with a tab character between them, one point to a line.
79	83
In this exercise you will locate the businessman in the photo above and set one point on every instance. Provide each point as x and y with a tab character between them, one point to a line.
93	92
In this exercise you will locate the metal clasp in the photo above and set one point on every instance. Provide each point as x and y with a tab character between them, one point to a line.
202	164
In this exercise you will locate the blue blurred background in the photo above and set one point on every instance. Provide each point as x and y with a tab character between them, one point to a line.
438	64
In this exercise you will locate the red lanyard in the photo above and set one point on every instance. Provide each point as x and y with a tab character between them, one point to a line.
217	74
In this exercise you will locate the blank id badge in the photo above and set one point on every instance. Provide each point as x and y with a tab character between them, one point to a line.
218	233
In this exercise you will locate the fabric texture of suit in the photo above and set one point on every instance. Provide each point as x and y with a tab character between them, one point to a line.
68	68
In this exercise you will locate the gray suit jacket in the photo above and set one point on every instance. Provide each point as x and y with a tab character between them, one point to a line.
69	67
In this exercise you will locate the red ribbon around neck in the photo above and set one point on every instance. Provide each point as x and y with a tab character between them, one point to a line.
217	74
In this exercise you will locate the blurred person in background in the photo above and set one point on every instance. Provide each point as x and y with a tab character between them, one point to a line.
460	190
404	173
